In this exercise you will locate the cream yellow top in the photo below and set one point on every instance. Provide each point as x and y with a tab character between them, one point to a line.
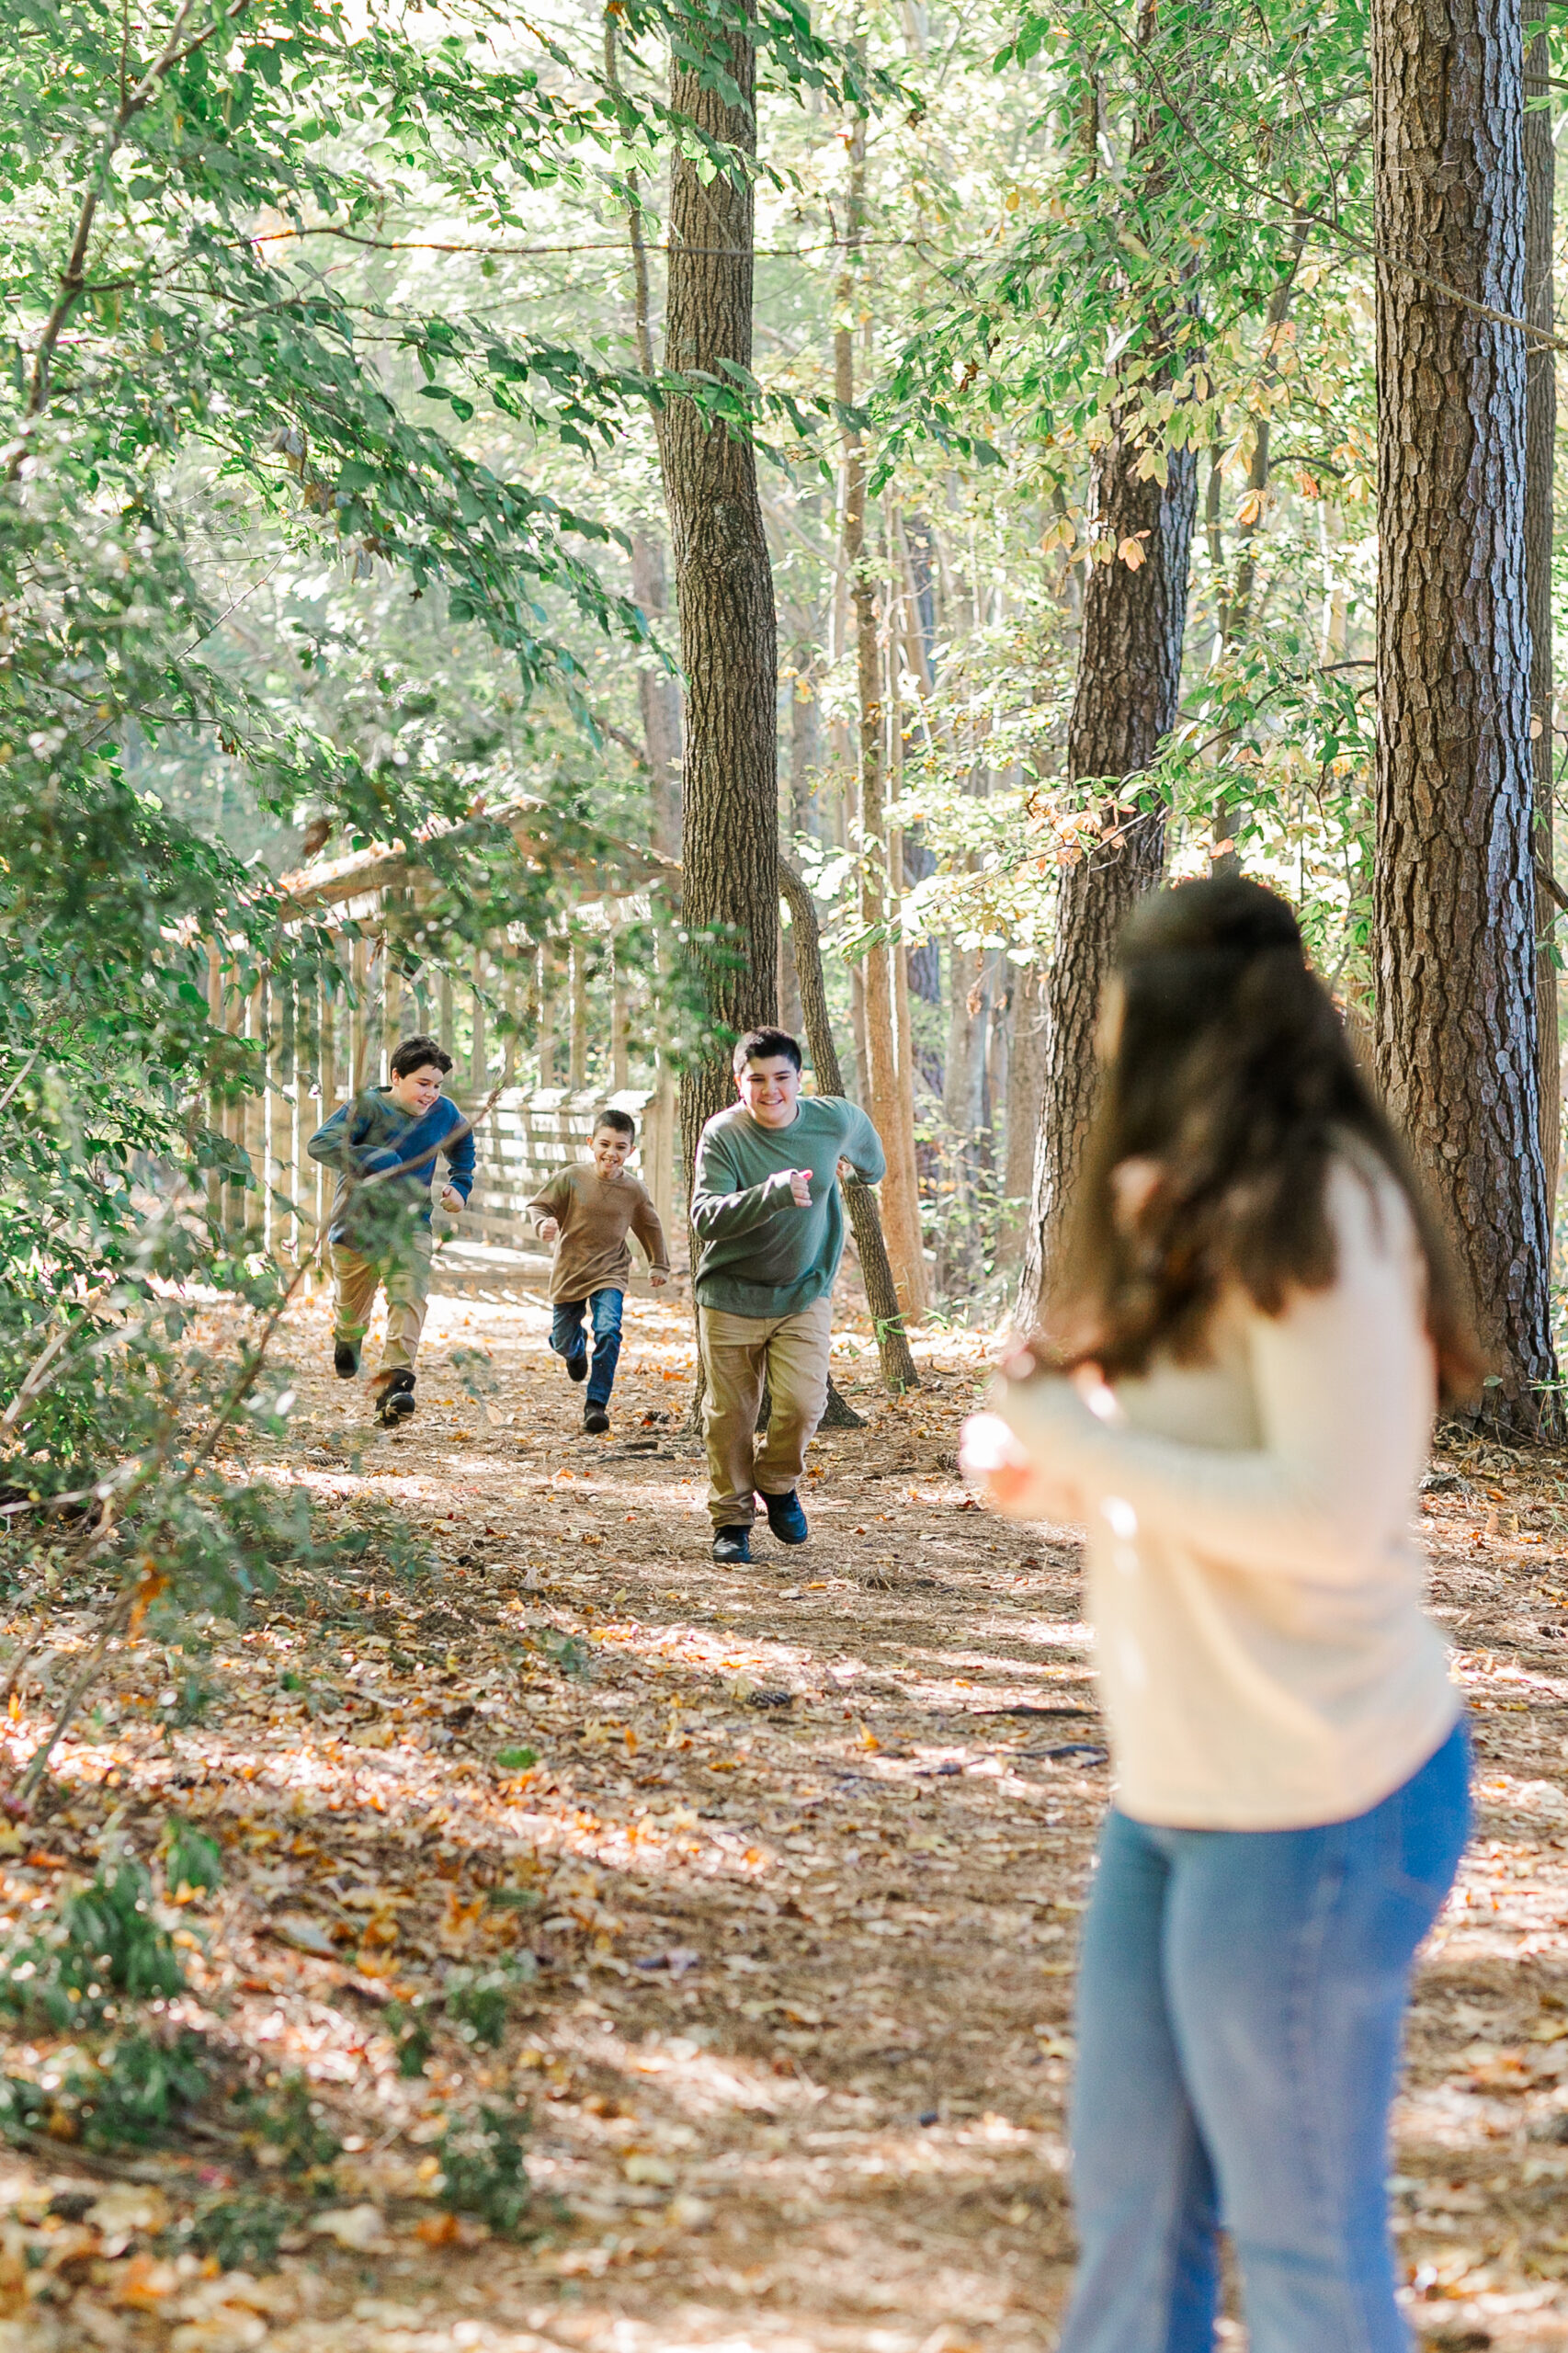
1264	1655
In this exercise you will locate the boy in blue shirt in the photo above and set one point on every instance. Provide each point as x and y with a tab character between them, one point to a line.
380	1234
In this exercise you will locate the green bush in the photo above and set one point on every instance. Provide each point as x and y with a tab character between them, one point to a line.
483	2170
291	2120
105	1942
242	2232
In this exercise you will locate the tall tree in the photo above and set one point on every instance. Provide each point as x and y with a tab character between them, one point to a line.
1141	506
1541	467
1457	1035
890	1112
724	579
1123	707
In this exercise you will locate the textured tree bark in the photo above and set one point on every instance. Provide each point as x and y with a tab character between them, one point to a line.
1540	451
893	1346
1124	704
1026	1093
724	591
901	1198
1457	1036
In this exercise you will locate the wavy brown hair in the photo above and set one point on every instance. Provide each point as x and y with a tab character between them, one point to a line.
1233	1073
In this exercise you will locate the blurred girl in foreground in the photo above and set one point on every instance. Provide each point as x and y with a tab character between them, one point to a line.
1254	1324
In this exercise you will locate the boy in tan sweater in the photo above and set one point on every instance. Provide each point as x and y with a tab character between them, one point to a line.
586	1212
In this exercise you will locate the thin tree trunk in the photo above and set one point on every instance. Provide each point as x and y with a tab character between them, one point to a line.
900	1192
893	1344
658	696
1123	707
723	587
1541	452
1457	1033
1124	704
1026	1093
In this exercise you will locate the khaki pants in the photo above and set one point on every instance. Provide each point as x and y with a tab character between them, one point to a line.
407	1277
740	1353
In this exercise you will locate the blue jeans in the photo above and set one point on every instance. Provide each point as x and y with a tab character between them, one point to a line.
1240	2004
566	1338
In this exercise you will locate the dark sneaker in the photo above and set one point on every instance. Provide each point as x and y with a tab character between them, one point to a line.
577	1366
344	1359
786	1518
395	1401
595	1421
732	1544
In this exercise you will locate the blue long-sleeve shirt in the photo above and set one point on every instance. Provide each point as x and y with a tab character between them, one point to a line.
374	1133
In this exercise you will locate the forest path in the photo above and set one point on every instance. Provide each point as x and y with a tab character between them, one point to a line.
787	1899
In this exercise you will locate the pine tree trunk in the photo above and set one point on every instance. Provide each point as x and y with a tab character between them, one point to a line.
1455	895
1540	451
724	592
1124	705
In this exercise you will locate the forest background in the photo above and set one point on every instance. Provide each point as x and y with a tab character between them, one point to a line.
343	442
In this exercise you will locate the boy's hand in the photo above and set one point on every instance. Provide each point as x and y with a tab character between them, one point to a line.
801	1186
658	1281
550	1227
451	1198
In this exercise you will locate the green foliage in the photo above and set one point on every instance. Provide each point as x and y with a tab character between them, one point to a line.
478	2000
409	2024
569	1652
104	1952
137	2090
291	2122
243	2231
482	2172
191	1860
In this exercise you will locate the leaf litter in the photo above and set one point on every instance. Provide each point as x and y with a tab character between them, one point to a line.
573	1940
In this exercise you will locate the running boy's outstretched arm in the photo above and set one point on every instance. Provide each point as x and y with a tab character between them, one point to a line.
862	1147
338	1144
645	1225
458	1152
547	1208
720	1205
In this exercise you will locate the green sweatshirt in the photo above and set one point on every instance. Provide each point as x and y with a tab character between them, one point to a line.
758	1254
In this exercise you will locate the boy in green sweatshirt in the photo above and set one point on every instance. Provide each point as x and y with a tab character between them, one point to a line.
768	1219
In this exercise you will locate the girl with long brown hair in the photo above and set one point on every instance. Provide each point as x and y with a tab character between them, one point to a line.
1234	1393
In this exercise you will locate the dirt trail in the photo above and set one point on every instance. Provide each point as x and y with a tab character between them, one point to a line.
794	1882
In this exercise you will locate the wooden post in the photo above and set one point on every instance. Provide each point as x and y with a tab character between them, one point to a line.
545	1031
577	1062
359	980
619	1059
215	1109
479	1055
448	1028
255	1115
514	1011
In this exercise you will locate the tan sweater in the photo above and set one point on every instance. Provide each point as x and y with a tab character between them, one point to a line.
594	1217
1256	1593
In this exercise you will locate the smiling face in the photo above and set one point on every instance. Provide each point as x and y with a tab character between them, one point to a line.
611	1148
416	1089
769	1087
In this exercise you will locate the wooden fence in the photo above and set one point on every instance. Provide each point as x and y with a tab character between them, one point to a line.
321	1044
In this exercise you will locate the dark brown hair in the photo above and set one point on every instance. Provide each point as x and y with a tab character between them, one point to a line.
765	1046
418	1054
620	1122
1233	1074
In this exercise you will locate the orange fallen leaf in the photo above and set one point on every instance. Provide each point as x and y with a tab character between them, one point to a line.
436	2229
